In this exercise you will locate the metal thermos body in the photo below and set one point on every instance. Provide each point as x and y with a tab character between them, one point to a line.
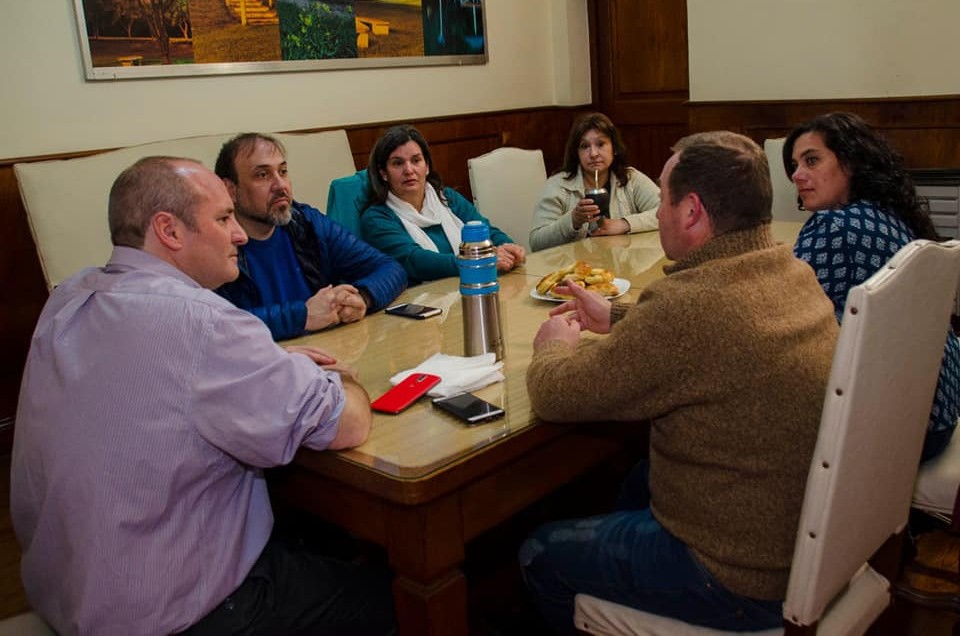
479	292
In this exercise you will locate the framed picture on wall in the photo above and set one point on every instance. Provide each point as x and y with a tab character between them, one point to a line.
136	39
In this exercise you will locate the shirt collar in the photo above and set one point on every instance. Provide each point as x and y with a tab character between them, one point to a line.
726	245
127	258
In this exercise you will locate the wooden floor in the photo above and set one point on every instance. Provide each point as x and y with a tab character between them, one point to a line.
936	549
12	598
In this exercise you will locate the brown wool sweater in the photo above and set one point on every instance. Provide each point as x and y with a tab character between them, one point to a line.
728	356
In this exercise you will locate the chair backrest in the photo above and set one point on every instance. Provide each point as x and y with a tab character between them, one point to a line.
784	192
875	414
66	200
346	199
316	159
506	185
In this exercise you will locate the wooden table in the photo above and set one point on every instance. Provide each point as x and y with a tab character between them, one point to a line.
423	484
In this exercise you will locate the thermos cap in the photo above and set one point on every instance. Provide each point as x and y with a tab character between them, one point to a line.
475	232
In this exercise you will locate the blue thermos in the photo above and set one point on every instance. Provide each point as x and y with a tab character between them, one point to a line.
479	291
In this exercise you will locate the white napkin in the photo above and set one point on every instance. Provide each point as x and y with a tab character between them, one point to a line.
457	373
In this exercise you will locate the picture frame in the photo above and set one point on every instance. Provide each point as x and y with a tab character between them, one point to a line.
139	39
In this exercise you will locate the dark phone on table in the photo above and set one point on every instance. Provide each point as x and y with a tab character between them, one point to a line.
405	393
410	310
469	408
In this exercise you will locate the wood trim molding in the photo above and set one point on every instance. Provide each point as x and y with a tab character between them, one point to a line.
926	130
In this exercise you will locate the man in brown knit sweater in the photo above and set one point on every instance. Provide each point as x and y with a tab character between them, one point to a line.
727	358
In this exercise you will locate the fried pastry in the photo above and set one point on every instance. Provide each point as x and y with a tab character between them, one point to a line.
578	273
598	275
548	282
582	269
605	288
566	281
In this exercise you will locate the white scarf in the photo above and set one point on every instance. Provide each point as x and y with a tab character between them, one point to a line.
434	212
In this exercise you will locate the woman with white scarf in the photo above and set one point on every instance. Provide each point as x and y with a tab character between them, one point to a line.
413	218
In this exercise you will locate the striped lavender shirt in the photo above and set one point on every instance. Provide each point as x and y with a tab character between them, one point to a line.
148	408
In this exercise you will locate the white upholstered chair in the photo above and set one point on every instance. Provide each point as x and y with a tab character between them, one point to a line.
26	624
784	192
938	481
506	185
937	494
860	483
66	200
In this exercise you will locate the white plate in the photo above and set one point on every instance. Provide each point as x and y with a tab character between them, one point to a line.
622	284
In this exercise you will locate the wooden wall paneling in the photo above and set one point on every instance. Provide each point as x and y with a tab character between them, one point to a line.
454	140
22	291
925	130
642	73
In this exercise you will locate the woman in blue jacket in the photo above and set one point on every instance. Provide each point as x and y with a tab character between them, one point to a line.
413	218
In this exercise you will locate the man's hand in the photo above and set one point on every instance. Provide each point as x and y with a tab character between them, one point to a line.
355	419
510	255
588	309
564	328
316	354
322	309
609	227
345	371
333	305
325	360
352	305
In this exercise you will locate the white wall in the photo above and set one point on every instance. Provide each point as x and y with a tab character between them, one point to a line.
571	52
813	49
538	56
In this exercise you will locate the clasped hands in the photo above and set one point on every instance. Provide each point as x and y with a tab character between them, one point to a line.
587	310
333	305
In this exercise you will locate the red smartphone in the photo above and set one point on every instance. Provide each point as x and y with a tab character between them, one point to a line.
405	393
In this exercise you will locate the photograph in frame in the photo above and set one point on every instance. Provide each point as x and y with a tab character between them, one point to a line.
135	39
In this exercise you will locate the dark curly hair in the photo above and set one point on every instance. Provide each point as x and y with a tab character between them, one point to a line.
602	124
876	170
392	139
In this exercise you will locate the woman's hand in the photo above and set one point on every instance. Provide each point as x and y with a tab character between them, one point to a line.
510	255
585	212
609	227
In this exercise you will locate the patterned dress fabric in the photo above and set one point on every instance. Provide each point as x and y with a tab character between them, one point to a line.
845	246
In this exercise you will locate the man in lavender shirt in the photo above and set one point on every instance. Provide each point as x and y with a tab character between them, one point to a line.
148	410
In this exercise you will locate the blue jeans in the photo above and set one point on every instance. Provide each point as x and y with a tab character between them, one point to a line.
627	557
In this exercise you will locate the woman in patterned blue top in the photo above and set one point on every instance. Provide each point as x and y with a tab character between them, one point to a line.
865	208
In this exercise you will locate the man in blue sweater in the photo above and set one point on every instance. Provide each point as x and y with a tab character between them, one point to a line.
313	273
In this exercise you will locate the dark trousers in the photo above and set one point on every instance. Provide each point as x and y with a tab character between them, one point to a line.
627	557
293	591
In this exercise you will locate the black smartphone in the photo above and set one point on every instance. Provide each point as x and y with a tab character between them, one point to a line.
411	310
469	408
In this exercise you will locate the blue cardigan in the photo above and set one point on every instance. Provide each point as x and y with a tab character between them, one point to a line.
328	254
383	229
